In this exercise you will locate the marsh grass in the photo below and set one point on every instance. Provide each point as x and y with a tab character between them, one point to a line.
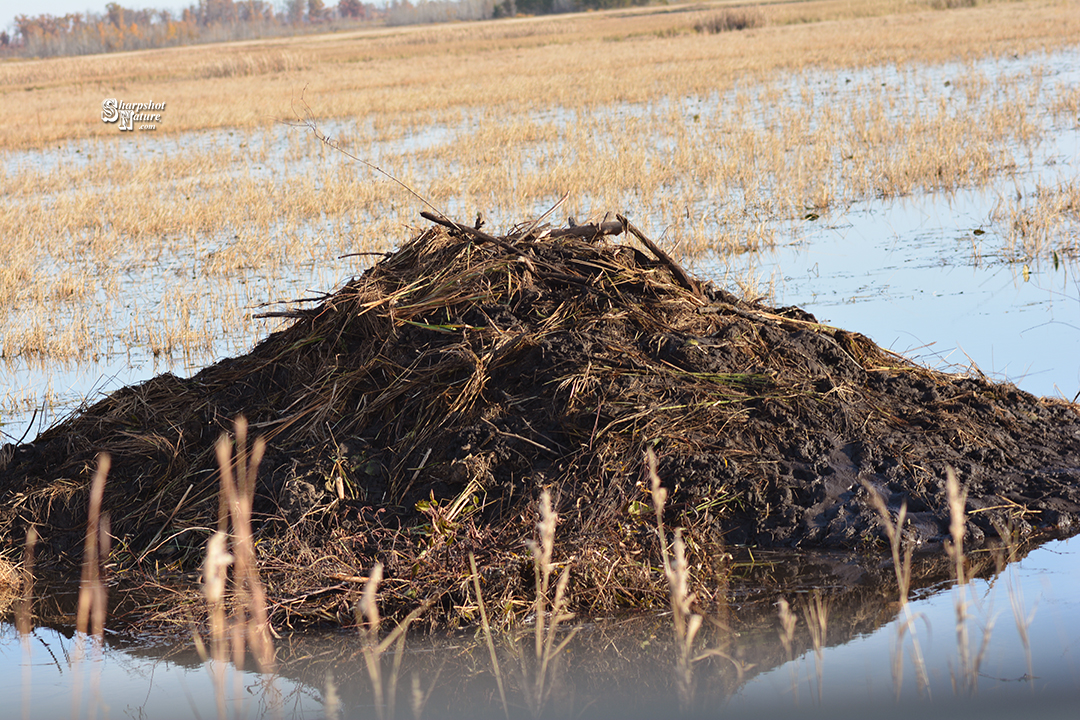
816	612
489	640
788	621
1023	619
686	623
731	19
901	561
236	625
965	677
93	595
548	612
1006	563
1043	224
369	623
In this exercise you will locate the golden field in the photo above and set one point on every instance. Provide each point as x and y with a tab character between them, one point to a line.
162	243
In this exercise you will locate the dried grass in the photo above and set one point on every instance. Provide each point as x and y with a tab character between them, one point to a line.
110	237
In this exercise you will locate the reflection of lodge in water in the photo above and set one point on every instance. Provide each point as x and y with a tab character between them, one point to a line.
622	666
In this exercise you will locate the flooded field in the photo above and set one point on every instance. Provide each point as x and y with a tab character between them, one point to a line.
974	271
932	206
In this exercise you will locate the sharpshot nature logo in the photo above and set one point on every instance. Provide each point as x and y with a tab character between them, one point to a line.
132	116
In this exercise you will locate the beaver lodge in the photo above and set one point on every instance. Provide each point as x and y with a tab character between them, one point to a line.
414	416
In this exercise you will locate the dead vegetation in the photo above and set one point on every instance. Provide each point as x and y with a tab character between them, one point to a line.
414	417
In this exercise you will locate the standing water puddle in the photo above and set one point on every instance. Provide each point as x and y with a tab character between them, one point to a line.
626	667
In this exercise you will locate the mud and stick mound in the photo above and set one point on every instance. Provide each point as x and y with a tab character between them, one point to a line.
414	416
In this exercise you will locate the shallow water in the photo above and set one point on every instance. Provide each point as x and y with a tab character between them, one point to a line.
623	667
913	287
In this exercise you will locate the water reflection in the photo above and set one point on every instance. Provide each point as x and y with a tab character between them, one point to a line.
624	667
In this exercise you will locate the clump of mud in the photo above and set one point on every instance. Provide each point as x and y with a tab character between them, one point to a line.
413	417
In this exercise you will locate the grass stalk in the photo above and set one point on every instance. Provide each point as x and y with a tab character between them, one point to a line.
24	611
368	622
686	622
1022	619
901	558
24	616
788	621
537	673
486	626
1023	624
215	578
247	626
331	698
817	620
369	630
965	680
93	599
239	493
90	616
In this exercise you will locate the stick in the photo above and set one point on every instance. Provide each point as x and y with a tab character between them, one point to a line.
680	275
610	227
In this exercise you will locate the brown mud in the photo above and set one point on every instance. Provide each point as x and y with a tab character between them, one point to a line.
414	416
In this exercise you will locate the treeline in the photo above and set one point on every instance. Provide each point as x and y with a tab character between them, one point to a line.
403	12
120	28
509	8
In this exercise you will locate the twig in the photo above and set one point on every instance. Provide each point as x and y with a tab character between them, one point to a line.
676	269
363	254
545	448
308	121
440	219
535	223
595	230
150	546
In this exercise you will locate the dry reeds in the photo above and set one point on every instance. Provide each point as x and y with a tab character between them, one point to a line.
686	623
369	623
731	19
549	611
93	596
237	496
24	610
788	621
901	560
965	678
817	621
1041	225
244	626
485	625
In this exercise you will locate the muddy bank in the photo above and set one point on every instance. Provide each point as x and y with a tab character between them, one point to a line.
413	416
